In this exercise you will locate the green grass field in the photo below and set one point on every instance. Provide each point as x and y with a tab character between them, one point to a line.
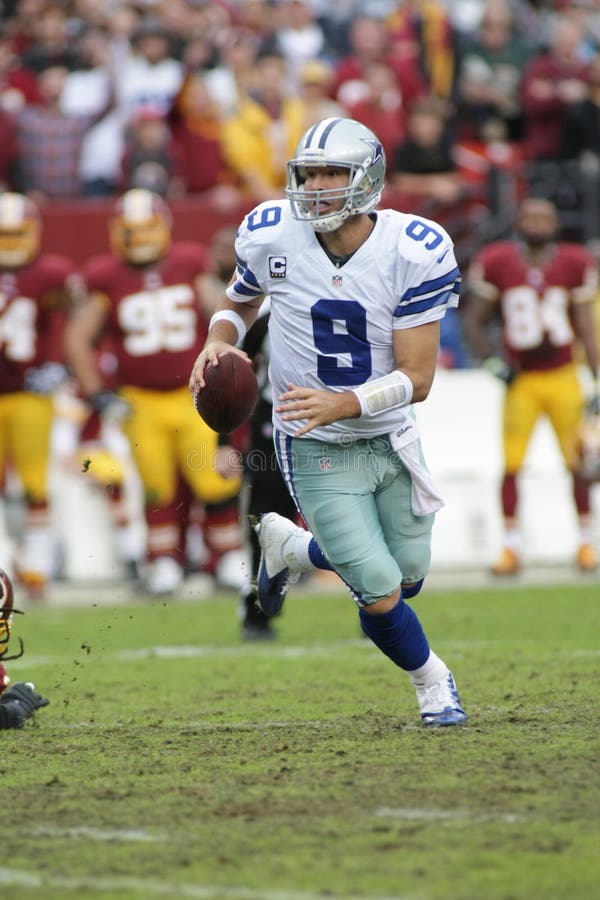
177	761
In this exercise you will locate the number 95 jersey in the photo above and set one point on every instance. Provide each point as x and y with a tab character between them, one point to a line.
154	323
331	327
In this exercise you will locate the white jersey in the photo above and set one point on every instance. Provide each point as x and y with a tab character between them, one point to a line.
331	328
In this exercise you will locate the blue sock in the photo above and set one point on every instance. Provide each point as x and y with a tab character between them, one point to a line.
399	634
317	557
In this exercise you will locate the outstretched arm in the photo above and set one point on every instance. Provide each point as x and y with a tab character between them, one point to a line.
83	328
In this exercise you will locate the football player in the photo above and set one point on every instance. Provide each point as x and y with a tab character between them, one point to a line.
18	702
142	298
356	297
33	300
541	292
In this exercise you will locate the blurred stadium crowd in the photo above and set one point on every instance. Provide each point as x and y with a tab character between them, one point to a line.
477	104
475	101
187	97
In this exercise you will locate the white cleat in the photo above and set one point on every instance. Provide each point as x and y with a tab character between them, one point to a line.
232	570
439	703
164	576
278	564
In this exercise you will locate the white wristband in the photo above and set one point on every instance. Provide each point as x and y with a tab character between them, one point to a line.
389	392
230	315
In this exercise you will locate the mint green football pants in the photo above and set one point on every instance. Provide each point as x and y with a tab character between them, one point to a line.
356	500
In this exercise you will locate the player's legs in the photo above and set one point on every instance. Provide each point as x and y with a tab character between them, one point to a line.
391	623
107	471
334	488
101	454
196	449
564	407
350	498
152	440
287	549
366	485
223	535
523	405
29	422
150	433
407	535
265	491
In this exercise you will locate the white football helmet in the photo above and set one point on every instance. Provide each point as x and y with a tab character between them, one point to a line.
347	144
20	230
140	227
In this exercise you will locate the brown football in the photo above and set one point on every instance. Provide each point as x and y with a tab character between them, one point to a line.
230	394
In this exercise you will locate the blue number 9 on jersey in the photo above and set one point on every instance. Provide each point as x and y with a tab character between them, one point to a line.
352	342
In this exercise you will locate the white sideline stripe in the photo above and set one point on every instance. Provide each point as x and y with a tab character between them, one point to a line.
191	651
461	646
100	834
152	888
32	661
445	815
175	652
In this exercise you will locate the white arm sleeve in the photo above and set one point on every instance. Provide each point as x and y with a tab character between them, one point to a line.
230	315
389	392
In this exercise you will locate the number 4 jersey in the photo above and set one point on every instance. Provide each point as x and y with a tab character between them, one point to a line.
535	299
331	327
33	303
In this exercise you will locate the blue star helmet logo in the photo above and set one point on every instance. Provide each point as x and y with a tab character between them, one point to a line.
376	147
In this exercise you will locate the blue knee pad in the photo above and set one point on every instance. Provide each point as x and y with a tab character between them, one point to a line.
411	590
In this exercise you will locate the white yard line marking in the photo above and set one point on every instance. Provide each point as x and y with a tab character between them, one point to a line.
152	888
277	652
191	651
445	815
100	834
33	660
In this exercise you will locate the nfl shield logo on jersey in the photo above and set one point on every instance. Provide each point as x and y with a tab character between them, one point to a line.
325	464
336	280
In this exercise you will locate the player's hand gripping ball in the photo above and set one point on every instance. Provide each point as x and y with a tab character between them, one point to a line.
230	394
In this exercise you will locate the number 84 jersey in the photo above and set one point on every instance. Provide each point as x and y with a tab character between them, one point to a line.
331	326
535	300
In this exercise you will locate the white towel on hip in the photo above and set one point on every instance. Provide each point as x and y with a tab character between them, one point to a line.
424	496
